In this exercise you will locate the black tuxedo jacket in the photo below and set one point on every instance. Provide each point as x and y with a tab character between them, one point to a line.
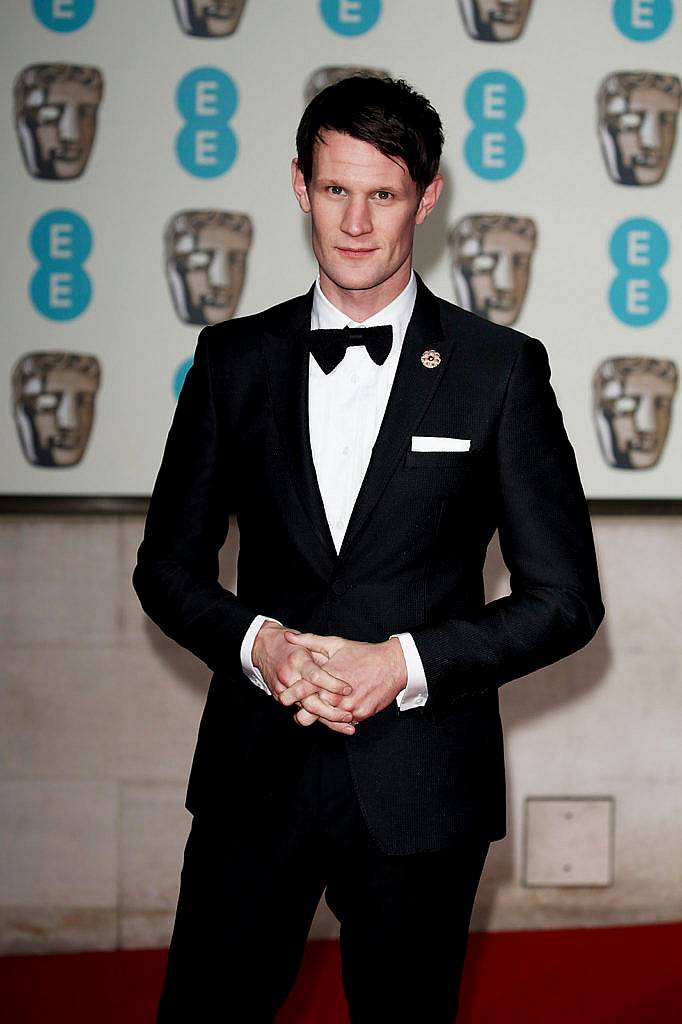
411	559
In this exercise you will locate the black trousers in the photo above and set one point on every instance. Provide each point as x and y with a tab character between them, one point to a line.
247	900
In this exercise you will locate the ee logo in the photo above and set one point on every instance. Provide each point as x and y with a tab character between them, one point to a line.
179	376
60	241
639	248
207	98
494	101
643	20
63	15
350	17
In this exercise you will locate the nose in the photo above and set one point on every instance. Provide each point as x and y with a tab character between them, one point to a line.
356	217
68	123
503	279
645	415
217	269
648	131
66	411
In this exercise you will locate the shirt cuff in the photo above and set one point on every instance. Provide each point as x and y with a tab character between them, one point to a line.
416	693
248	668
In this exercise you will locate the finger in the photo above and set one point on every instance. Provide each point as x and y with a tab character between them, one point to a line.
312	641
318	707
304	718
301	689
346	728
324	680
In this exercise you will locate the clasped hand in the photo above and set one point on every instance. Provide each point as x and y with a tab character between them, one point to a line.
335	681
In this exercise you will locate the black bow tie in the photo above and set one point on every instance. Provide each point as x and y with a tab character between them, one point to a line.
329	347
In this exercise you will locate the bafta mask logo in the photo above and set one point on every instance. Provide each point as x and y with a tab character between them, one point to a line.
633	398
323	77
494	21
205	254
637	124
209	18
55	113
490	255
54	405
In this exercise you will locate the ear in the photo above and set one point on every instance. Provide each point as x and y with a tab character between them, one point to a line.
299	186
429	199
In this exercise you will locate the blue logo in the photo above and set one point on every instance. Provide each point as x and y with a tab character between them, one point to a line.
350	17
63	15
207	98
494	101
61	242
638	294
643	20
179	376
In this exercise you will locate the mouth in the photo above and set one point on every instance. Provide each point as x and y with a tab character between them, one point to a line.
219	299
222	13
645	444
503	304
506	15
355	254
68	156
649	160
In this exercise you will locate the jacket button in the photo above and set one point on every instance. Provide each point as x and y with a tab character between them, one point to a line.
338	587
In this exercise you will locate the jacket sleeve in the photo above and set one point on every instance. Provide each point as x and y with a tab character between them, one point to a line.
176	577
546	540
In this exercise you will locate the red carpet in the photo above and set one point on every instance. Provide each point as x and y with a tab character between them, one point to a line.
587	976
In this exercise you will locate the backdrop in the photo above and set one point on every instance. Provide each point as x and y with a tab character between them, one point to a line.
145	191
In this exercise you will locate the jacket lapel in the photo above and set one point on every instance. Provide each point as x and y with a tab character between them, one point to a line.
287	356
413	388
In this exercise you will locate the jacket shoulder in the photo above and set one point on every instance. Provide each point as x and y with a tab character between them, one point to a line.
243	334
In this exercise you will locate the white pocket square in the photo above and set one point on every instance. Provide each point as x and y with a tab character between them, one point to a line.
441	444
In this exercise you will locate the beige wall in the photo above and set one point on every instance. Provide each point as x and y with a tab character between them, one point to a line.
98	715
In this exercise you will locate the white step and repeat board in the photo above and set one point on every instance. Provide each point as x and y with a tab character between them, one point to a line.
145	191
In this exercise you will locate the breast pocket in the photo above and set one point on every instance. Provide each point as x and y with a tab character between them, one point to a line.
436	460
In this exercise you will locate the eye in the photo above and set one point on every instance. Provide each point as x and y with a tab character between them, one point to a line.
630	121
625	404
383	194
49	113
46	402
482	264
197	260
335	190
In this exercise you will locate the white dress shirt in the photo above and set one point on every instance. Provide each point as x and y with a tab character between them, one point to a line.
345	410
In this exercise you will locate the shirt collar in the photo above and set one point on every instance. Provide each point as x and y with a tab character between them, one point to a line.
325	315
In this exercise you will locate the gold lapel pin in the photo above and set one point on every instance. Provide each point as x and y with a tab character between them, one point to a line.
430	359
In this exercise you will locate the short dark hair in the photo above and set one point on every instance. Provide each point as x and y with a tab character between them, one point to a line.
386	112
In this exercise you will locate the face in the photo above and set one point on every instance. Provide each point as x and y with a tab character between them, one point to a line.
56	120
323	77
491	258
364	207
209	17
54	405
206	264
495	21
632	403
637	127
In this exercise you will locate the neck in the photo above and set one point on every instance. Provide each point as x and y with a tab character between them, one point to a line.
360	304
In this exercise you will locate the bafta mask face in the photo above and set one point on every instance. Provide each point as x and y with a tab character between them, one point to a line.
491	256
54	405
323	77
55	110
494	21
632	406
209	17
637	125
206	263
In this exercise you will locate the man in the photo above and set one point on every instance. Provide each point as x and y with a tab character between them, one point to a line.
55	114
54	405
205	252
364	754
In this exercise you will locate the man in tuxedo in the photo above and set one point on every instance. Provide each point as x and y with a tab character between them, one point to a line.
370	438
